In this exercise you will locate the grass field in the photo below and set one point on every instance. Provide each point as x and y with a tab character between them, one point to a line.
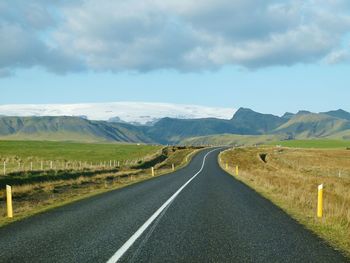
45	155
289	177
313	143
90	152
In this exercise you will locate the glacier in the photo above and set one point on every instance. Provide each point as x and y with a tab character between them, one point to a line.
131	112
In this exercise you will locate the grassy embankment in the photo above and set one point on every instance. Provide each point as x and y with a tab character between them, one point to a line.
232	139
317	144
37	191
289	178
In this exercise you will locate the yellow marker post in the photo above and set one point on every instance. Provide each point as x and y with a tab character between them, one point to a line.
173	167
9	201
237	170
226	166
152	171
320	201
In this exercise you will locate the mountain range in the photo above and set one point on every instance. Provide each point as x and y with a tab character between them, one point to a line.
245	122
137	113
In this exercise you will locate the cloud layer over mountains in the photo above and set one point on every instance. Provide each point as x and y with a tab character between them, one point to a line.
106	35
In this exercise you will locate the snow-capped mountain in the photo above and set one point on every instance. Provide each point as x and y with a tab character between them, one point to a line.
132	112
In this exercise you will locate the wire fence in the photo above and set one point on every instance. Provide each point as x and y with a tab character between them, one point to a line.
9	167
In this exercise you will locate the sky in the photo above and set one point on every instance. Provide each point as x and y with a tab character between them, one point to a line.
272	56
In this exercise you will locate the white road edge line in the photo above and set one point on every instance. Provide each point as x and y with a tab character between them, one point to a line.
143	228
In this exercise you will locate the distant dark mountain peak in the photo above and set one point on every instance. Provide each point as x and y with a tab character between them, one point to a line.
254	122
243	111
248	112
341	114
303	112
288	115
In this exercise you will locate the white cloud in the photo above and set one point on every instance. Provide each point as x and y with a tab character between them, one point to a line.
338	56
107	35
23	29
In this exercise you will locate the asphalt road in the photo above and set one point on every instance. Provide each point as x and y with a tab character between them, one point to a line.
212	218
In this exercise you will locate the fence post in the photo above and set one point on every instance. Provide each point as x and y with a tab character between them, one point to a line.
173	167
320	201
31	166
4	168
51	165
9	201
152	171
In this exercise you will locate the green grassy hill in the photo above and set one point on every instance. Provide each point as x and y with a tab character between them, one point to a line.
170	130
304	126
343	135
341	114
68	129
232	139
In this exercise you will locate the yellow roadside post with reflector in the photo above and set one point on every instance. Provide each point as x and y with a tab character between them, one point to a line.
320	201
9	201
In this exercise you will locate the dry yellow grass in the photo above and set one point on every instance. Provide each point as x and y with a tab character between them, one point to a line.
31	199
290	177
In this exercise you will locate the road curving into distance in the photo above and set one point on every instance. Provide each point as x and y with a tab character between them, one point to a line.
196	214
